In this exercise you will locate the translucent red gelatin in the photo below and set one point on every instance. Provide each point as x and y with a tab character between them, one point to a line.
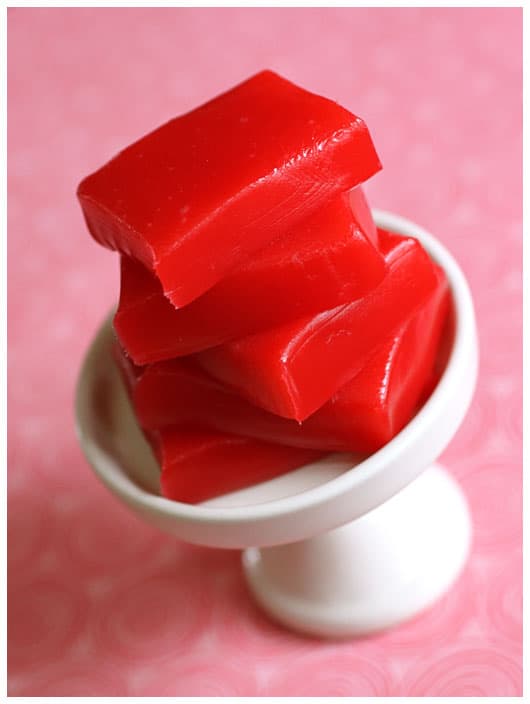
361	417
294	369
192	199
201	464
328	259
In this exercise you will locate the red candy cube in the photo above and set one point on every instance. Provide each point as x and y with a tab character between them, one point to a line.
201	464
327	260
294	369
361	417
192	199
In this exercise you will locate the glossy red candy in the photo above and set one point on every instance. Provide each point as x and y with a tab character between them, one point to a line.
325	261
192	199
201	464
294	369
361	417
375	405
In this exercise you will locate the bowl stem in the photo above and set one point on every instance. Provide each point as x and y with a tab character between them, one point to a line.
372	573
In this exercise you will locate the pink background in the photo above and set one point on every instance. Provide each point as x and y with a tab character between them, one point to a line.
101	604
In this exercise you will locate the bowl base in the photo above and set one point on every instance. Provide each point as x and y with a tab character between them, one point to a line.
372	573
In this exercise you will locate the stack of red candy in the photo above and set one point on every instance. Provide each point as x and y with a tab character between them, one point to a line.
263	319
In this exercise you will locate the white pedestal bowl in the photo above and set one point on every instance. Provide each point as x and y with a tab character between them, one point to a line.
338	548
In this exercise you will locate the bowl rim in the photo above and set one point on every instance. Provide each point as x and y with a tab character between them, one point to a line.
360	474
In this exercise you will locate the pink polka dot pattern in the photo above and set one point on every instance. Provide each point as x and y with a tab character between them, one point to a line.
99	604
